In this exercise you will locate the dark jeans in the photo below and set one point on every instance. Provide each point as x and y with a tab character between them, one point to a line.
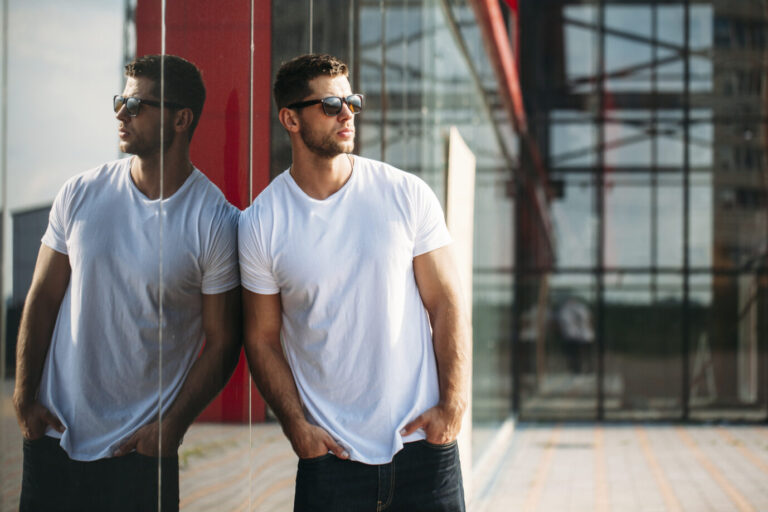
422	477
53	482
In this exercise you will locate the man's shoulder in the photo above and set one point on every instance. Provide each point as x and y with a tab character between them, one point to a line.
104	172
386	173
209	193
269	208
96	179
271	196
275	187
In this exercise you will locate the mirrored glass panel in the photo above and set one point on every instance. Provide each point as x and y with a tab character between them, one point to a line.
727	346
61	65
643	346
557	348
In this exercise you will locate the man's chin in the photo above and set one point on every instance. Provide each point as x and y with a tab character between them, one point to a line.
347	147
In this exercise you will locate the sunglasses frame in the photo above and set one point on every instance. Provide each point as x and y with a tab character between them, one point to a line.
139	102
302	104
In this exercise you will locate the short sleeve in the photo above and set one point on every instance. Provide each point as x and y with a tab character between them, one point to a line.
55	235
431	231
221	272
255	264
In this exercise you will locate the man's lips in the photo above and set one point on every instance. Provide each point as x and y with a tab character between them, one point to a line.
346	132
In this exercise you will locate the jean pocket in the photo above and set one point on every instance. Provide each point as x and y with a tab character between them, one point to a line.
37	440
319	458
444	446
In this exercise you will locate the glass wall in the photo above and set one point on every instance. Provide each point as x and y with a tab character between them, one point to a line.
56	122
651	117
423	68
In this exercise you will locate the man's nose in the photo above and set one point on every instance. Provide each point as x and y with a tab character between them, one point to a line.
122	114
345	112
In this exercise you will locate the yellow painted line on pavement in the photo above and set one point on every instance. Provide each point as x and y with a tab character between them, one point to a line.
602	497
670	499
534	495
742	504
739	445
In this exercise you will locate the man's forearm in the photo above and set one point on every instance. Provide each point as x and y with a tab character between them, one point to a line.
37	323
213	368
451	340
208	375
274	379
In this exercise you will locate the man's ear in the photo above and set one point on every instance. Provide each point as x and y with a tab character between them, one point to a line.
289	118
182	120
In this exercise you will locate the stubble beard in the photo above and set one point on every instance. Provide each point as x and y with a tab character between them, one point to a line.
144	148
325	146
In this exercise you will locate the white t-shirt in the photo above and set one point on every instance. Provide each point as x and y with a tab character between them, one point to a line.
355	331
101	373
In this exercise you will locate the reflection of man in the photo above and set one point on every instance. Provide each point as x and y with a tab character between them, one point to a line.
347	259
93	368
575	322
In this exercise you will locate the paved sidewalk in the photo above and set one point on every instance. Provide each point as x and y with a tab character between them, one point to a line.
626	468
532	467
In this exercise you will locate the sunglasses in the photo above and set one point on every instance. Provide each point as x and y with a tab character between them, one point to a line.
133	105
332	105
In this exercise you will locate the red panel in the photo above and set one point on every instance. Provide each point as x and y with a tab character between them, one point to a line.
497	43
513	4
216	36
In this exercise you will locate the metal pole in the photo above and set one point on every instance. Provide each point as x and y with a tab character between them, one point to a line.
686	211
600	213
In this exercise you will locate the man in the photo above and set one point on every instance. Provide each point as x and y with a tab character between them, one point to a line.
348	260
101	391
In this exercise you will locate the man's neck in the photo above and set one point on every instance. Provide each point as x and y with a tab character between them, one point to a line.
145	172
321	177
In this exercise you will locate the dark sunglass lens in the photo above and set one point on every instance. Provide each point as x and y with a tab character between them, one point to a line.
332	105
132	106
117	103
355	103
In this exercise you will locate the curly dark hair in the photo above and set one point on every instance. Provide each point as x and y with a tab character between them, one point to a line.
292	80
183	81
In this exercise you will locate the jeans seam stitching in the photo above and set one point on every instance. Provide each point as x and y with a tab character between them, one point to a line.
391	485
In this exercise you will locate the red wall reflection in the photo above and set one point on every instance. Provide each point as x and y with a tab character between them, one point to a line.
216	36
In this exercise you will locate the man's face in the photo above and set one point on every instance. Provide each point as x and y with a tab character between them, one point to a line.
140	135
324	135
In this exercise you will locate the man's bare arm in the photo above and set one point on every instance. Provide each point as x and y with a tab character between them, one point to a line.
439	286
273	377
208	375
49	284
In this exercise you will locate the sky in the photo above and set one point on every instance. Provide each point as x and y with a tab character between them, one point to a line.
64	66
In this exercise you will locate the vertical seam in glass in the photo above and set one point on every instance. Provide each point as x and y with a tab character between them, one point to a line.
311	26
351	39
3	184
160	286
654	210
250	201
